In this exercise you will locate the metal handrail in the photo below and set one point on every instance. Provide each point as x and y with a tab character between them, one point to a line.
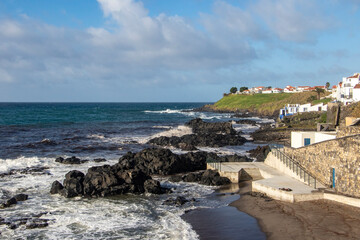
293	165
214	163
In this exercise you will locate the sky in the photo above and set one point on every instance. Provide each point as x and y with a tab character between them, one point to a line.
171	50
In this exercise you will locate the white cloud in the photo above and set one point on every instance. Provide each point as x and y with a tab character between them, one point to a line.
292	20
139	49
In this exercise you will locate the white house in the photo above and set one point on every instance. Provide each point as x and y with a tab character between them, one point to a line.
291	109
289	89
356	93
301	139
277	90
267	91
345	89
302	88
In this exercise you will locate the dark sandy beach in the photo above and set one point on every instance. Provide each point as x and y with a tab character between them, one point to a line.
320	219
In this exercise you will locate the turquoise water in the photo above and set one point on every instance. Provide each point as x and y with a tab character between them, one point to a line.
70	113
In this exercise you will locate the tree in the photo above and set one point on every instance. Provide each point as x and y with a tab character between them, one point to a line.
269	87
319	91
243	89
233	90
327	85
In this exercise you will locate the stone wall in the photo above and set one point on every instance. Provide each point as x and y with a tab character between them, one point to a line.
347	131
343	154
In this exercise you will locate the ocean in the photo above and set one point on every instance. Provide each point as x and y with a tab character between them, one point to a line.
32	135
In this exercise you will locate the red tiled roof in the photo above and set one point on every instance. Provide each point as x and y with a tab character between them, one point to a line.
334	86
357	86
303	86
356	75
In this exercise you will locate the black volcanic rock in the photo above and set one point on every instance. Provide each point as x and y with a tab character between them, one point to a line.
56	187
13	200
132	173
73	184
260	153
70	160
200	127
178	201
208	177
21	197
153	186
206	134
163	161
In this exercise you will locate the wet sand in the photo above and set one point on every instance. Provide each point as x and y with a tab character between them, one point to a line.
224	222
320	219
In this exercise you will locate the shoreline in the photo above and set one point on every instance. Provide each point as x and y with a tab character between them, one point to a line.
225	221
274	220
321	219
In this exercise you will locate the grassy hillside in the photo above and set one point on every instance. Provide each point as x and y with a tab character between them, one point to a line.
265	104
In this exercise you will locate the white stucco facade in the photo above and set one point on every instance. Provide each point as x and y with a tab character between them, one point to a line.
301	139
345	89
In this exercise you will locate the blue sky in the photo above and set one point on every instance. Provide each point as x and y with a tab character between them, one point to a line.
167	50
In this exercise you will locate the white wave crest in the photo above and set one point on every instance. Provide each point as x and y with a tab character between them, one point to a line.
22	162
174	132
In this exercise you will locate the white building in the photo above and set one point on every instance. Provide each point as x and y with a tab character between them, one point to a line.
345	89
302	88
301	139
289	89
267	91
291	109
277	90
356	93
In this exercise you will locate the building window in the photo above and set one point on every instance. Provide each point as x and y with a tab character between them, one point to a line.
306	141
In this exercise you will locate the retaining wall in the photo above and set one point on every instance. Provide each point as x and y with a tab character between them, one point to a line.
343	154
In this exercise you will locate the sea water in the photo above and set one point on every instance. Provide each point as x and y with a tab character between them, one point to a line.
32	135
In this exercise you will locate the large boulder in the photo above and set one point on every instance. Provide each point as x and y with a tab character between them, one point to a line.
153	186
73	184
199	126
70	160
104	181
56	187
260	153
162	161
208	177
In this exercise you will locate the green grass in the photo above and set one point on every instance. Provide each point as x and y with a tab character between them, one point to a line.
267	104
324	101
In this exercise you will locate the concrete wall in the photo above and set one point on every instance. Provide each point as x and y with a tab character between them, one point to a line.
324	136
297	138
342	154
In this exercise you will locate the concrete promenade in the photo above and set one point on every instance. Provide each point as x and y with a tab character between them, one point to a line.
271	181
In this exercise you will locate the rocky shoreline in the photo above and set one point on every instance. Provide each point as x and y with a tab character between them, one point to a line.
133	172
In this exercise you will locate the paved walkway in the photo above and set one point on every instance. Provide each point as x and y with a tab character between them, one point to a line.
272	181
